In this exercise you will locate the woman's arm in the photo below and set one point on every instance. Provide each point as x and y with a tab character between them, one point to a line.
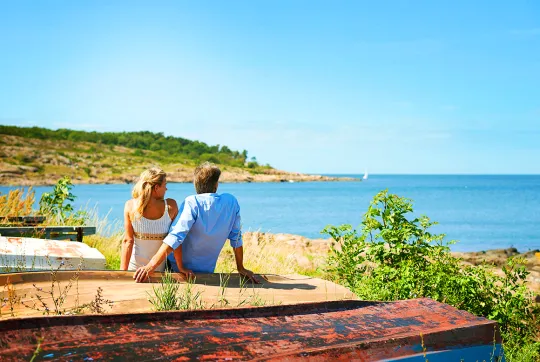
127	242
143	272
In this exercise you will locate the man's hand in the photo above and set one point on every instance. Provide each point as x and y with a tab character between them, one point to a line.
249	274
188	274
142	273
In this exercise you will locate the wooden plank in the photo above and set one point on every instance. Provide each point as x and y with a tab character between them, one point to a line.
408	330
26	220
47	231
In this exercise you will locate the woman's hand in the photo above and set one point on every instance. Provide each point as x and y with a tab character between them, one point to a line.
142	273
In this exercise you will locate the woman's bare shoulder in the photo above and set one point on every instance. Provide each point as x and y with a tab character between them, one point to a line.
172	203
129	204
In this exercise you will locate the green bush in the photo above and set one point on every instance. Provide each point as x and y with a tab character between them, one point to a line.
56	206
394	256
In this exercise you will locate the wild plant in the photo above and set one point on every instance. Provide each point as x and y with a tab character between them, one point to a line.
190	298
38	349
18	262
11	298
223	283
97	305
170	295
165	295
57	207
243	298
56	293
17	203
395	256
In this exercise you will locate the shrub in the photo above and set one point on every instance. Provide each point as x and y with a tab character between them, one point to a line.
394	256
55	204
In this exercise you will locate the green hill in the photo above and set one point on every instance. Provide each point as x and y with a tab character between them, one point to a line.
40	156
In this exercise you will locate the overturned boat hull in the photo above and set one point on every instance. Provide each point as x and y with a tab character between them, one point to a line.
410	330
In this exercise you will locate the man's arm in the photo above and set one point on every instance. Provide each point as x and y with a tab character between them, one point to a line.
179	263
177	233
235	238
239	257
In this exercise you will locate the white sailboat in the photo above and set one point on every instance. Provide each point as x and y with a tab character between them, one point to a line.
365	177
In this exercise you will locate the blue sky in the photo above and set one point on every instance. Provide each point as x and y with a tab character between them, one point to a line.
309	86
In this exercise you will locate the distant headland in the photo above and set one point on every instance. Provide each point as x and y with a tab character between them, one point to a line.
32	156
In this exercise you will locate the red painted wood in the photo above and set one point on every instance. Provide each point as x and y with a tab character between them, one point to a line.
345	330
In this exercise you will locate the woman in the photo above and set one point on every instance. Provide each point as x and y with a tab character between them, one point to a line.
147	219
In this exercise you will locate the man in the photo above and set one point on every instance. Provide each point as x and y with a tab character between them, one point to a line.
197	235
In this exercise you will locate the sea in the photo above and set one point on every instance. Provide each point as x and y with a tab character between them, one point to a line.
479	211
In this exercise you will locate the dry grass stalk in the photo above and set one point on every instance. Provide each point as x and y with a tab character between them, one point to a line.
17	203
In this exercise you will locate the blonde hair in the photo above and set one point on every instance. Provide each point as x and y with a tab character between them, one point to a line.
142	191
206	177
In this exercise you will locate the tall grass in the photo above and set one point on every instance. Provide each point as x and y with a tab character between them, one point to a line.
170	294
17	203
263	254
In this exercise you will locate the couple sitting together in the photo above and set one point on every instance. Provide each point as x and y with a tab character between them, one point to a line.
190	237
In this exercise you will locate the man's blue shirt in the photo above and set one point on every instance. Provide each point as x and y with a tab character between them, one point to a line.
203	224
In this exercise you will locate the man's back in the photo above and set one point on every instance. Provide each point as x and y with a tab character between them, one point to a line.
204	223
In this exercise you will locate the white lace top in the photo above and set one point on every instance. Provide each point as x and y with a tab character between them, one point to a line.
148	236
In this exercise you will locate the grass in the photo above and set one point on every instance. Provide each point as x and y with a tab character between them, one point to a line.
263	254
171	294
17	202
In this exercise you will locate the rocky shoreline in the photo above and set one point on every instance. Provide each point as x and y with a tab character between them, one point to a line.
301	247
23	176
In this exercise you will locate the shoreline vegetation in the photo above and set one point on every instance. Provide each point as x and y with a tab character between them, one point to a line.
392	256
38	156
310	254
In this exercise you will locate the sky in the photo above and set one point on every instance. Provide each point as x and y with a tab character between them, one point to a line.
400	87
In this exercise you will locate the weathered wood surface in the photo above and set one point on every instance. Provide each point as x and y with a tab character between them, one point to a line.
411	330
49	232
26	254
128	296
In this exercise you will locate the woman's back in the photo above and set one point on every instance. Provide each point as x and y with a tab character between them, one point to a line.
148	235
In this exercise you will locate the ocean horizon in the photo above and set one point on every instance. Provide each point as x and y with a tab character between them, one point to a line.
479	211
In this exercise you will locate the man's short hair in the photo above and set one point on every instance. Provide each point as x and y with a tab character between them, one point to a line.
206	177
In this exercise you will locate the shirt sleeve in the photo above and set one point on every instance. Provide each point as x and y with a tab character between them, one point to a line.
182	224
235	236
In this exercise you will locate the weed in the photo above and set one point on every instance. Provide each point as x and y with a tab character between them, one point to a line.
96	305
223	283
170	295
38	349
